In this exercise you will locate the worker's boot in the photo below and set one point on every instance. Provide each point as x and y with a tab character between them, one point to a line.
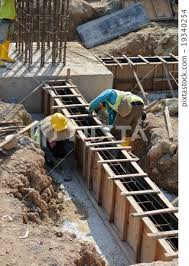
5	47
2	64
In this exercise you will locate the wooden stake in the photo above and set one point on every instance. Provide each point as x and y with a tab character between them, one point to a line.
155	212
141	192
105	143
137	78
128	148
164	234
118	160
99	138
69	106
168	122
67	96
127	176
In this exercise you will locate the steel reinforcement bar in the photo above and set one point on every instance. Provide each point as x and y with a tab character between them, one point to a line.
151	72
42	25
137	210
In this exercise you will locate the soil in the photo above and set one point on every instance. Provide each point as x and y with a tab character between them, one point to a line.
159	154
31	206
154	39
43	246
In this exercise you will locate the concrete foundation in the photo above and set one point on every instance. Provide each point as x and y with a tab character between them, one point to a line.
87	72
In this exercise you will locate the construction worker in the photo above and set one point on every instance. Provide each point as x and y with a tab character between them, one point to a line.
53	135
124	109
7	22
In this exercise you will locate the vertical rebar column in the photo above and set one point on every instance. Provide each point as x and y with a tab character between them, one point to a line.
42	24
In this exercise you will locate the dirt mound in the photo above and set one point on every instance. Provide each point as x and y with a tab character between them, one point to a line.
22	170
154	39
89	256
159	155
14	112
38	245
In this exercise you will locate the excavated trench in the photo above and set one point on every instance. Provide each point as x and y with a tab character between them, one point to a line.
163	222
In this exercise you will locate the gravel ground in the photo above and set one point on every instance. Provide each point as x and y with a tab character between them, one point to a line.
94	229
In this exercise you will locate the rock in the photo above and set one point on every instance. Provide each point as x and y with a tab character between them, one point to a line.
59	234
81	11
159	155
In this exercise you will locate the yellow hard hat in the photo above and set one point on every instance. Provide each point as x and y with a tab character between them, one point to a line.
59	122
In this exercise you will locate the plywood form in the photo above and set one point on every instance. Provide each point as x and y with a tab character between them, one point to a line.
118	208
151	74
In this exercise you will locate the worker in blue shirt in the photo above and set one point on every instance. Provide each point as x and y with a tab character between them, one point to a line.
123	109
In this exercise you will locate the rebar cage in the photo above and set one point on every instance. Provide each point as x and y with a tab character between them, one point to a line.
42	26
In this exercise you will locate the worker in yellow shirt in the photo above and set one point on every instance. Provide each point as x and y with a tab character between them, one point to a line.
7	22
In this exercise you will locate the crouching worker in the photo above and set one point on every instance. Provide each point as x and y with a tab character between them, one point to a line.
53	135
7	22
124	110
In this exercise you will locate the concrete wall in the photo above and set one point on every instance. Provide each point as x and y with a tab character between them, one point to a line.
13	88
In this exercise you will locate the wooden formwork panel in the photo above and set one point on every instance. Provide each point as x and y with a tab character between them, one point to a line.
79	152
148	246
152	75
97	171
108	195
121	212
119	208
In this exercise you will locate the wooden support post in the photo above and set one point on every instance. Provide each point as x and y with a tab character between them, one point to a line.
112	207
89	166
116	161
105	143
164	234
89	127
80	116
128	176
100	174
141	192
167	75
69	106
168	122
68	96
98	138
112	148
58	87
139	241
173	78
155	212
137	78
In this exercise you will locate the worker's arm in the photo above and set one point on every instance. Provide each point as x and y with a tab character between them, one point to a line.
100	99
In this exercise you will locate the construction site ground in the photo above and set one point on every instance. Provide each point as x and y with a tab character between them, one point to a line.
44	220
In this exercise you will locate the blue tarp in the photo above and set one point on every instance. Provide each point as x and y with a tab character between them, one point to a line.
112	26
